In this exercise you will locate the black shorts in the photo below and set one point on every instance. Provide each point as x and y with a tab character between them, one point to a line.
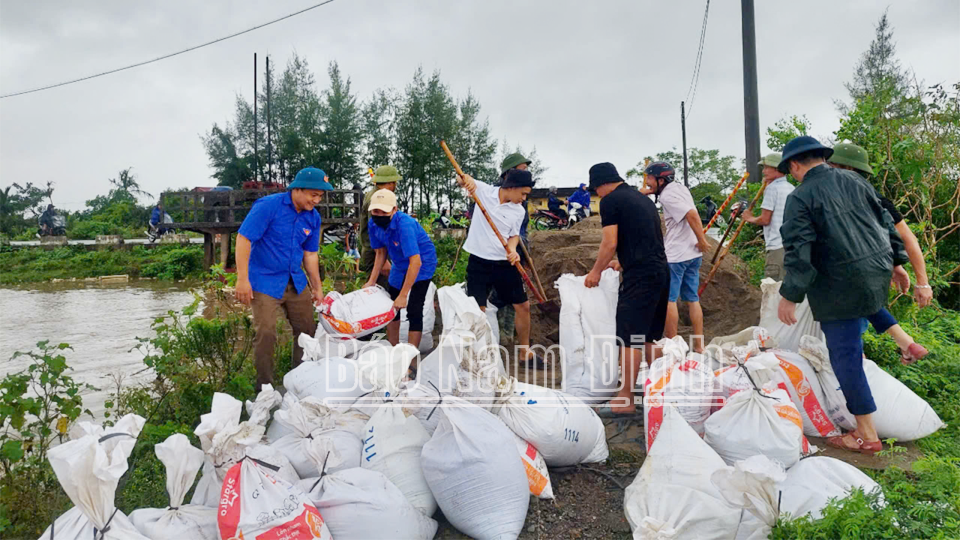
500	276
415	300
642	307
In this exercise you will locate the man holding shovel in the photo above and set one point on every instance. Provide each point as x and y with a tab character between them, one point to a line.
490	266
631	230
771	217
277	241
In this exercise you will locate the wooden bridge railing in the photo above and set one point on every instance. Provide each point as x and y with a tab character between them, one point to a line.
206	211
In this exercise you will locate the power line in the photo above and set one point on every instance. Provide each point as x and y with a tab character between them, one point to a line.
695	78
164	57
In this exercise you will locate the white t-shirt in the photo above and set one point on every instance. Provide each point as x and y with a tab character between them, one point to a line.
680	243
481	241
774	199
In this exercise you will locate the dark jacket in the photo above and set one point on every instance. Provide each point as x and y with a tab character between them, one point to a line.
840	245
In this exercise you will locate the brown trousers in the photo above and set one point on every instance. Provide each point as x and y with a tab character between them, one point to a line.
774	265
298	309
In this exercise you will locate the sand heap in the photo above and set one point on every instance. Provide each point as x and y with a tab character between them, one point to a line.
730	303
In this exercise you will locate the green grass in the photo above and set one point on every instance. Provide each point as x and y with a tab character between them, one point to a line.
32	265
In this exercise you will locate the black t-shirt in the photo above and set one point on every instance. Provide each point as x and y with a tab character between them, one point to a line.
639	240
888	205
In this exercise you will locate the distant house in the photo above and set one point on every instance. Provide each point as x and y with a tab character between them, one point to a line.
538	199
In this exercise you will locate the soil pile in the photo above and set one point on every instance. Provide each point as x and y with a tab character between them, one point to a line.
730	303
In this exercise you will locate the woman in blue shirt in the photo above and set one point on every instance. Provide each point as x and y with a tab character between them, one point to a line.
413	259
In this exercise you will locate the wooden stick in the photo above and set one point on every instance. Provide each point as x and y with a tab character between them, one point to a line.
723	238
727	249
533	267
483	210
726	202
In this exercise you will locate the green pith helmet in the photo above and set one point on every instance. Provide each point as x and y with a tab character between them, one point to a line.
386	174
851	155
512	161
771	160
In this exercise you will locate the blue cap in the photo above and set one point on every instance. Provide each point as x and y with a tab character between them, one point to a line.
801	145
311	178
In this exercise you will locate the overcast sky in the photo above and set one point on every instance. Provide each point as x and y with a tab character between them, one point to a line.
582	81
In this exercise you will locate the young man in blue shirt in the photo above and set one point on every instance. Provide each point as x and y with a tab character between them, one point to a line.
413	258
277	241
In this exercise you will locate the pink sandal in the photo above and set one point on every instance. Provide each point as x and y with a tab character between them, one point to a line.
913	353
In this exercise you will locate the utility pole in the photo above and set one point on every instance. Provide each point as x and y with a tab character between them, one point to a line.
256	155
683	128
751	108
269	148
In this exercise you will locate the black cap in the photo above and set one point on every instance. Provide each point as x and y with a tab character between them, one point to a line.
797	146
603	173
517	178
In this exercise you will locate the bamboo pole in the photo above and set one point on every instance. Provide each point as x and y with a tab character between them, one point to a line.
726	250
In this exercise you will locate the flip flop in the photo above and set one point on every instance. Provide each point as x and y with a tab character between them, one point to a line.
862	446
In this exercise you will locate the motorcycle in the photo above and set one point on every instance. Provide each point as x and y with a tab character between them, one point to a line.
578	213
545	220
57	227
156	231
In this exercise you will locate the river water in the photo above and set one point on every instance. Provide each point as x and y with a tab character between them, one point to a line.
100	322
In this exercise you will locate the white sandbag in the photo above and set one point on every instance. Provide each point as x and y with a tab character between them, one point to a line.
187	522
461	312
324	345
335	382
810	484
310	420
751	485
756	423
538	476
382	368
89	468
361	504
788	337
800	381
258	503
461	366
226	441
429	321
472	468
588	343
422	402
266	401
565	430
672	496
901	414
358	313
491	313
681	381
392	446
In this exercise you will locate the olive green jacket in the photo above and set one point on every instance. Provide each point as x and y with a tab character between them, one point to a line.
840	245
365	220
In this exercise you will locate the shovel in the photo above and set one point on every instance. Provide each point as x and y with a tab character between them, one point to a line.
541	299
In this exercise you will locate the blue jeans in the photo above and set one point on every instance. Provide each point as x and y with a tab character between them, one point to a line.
684	280
882	320
845	344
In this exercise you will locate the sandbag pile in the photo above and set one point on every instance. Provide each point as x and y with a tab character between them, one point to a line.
788	337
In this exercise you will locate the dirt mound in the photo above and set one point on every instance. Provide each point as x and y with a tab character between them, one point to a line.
730	303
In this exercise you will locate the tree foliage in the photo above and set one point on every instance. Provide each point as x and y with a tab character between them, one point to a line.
335	131
703	167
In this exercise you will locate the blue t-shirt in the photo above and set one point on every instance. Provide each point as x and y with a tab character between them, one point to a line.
403	239
279	236
155	216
